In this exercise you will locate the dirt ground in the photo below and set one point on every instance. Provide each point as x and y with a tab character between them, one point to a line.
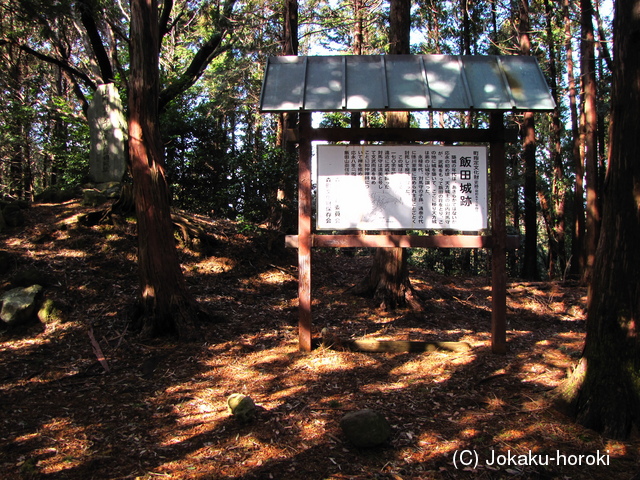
160	409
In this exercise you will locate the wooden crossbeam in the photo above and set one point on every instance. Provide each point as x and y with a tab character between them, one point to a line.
404	241
447	135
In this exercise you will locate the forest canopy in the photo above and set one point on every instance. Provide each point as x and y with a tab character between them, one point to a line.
225	159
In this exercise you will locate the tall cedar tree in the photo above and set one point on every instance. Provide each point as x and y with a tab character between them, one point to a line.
553	203
528	132
603	393
388	278
589	91
166	303
577	244
282	218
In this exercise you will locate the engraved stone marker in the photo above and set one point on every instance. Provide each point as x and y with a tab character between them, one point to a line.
108	131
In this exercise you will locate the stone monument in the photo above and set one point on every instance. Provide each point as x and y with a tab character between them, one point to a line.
108	131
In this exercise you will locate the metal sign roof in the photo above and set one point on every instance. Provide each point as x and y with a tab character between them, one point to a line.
404	82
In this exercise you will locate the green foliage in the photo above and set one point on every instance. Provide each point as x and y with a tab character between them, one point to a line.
221	153
212	168
259	176
332	27
67	147
336	119
451	261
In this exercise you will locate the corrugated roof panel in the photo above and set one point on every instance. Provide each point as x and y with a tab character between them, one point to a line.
324	84
446	86
283	84
527	83
365	82
404	82
490	93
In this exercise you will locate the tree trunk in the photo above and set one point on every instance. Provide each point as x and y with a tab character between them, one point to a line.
388	280
167	307
399	27
465	41
528	132
358	32
588	68
603	393
577	243
282	218
557	244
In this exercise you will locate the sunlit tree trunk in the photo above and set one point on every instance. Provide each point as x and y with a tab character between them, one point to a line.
528	132
281	217
603	393
358	31
588	69
556	222
166	304
577	243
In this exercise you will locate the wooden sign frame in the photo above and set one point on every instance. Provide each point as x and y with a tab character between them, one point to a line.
495	136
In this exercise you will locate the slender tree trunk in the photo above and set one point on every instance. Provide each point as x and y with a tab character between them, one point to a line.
588	69
465	47
548	217
167	306
358	33
577	242
557	244
512	255
16	129
528	132
602	38
603	393
281	218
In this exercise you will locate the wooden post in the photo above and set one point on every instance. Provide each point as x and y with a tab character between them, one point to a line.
304	233
499	236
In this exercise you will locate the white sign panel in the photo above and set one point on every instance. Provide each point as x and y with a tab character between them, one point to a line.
413	187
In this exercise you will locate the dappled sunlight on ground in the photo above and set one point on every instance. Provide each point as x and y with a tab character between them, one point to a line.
161	410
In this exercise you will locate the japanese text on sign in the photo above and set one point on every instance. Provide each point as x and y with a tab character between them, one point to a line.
376	187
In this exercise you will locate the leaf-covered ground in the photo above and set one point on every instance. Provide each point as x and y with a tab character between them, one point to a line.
160	410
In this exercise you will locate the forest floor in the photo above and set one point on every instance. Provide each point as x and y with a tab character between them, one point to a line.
160	410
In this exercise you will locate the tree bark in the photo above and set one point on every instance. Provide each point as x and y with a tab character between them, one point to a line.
528	132
603	393
399	27
557	244
577	244
281	217
465	40
167	307
588	69
358	32
87	16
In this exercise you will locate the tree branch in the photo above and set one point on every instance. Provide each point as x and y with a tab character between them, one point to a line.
203	57
167	6
54	61
102	57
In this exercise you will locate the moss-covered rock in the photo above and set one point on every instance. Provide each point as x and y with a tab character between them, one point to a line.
365	428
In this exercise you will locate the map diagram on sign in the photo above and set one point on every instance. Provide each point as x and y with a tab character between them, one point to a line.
374	187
